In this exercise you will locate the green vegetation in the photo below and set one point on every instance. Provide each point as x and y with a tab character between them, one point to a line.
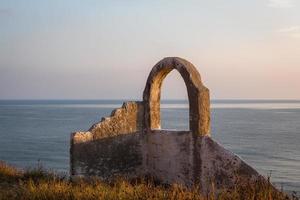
40	184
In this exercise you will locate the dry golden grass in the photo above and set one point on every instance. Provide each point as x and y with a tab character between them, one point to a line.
38	184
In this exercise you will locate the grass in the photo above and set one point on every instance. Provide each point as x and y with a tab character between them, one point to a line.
40	184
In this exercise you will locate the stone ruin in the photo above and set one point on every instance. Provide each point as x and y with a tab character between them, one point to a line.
131	144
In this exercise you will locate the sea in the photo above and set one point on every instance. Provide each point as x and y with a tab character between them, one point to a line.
264	133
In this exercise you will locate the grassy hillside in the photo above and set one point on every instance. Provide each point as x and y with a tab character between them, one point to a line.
40	184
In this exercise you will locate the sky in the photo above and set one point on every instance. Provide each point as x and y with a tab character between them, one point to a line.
92	49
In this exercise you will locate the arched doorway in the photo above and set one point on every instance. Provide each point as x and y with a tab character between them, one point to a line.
198	95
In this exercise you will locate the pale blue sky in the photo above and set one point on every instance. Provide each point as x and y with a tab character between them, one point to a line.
105	49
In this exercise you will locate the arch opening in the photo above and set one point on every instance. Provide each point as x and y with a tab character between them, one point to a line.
174	109
198	95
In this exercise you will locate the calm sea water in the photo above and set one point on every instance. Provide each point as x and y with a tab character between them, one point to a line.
264	133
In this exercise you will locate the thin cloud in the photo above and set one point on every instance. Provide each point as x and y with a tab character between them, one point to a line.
295	35
289	29
280	3
292	31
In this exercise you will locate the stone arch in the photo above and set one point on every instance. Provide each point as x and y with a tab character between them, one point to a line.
198	95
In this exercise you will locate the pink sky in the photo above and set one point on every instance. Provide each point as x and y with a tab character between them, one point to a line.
103	50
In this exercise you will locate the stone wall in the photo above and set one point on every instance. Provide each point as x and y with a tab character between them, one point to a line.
129	143
99	143
168	156
108	157
126	119
198	94
180	157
